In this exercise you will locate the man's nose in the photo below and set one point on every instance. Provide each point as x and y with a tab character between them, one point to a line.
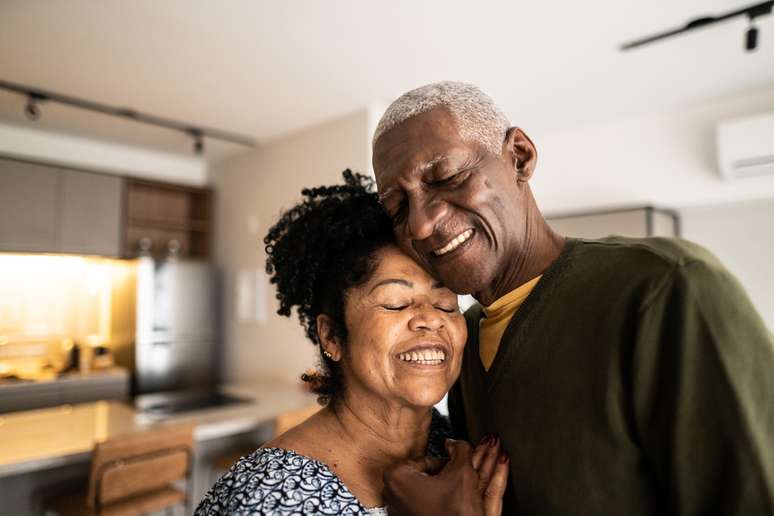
424	215
426	318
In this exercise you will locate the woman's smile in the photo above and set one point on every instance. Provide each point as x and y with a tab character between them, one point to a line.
427	355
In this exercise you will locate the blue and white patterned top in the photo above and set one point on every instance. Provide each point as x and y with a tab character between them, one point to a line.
282	482
276	481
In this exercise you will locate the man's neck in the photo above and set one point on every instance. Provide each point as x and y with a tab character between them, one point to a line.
541	247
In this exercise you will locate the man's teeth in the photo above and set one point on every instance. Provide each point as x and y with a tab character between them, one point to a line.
425	356
454	244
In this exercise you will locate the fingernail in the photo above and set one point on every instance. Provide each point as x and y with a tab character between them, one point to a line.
503	458
493	442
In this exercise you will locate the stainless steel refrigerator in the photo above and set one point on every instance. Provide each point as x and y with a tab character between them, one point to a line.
177	331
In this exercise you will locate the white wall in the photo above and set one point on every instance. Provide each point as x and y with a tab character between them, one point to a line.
666	159
87	154
251	191
741	235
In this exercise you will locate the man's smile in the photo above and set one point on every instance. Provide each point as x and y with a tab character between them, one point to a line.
454	243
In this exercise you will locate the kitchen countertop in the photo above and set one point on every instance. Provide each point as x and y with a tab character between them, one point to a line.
46	438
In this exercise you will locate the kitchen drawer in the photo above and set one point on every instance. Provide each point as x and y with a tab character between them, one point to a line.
29	396
94	393
100	385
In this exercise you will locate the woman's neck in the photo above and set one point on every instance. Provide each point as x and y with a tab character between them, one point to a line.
366	438
380	432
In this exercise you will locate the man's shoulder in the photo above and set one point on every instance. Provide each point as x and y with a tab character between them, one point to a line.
659	253
640	265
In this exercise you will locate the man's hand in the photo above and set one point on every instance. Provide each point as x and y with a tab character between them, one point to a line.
471	483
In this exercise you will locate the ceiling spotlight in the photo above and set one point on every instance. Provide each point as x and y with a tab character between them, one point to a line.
198	138
32	109
751	38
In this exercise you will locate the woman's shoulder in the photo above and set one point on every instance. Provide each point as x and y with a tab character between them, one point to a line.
279	481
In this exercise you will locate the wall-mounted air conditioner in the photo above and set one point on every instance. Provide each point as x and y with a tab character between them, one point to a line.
746	146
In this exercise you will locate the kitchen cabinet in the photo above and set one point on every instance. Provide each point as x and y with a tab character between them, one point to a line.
91	212
50	209
29	205
45	208
164	217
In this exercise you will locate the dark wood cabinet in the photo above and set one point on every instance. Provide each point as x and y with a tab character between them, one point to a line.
164	217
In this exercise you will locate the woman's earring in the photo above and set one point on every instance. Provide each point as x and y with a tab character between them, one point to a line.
327	354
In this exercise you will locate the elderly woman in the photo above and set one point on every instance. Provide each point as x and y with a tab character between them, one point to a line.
390	340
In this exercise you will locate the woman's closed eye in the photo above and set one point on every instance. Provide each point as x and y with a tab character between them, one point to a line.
397	307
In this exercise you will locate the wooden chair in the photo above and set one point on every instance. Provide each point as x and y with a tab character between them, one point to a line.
135	474
282	424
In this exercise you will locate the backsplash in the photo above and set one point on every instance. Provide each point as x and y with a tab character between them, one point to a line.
46	300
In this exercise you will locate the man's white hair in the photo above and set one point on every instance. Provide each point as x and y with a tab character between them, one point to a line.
477	116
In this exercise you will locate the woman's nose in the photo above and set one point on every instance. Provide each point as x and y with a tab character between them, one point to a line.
427	318
423	216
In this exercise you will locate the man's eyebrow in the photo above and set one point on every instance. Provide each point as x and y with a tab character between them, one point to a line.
433	162
429	165
388	281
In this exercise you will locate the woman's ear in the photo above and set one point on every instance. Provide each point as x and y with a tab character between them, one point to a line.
521	152
329	341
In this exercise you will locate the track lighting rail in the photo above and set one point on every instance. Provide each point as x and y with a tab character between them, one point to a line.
37	96
751	36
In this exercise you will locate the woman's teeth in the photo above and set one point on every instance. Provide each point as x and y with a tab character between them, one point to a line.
454	244
425	356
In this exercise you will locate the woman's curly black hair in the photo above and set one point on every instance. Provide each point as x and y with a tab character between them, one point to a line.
317	251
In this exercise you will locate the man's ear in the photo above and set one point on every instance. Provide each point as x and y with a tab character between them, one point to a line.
521	153
328	340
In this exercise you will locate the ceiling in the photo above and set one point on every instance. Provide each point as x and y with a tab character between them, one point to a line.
267	68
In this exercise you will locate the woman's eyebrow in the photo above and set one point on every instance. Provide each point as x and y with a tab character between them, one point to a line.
388	281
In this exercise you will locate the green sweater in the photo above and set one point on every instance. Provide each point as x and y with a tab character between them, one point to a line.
636	379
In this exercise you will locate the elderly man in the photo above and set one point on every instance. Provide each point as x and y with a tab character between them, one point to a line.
622	376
